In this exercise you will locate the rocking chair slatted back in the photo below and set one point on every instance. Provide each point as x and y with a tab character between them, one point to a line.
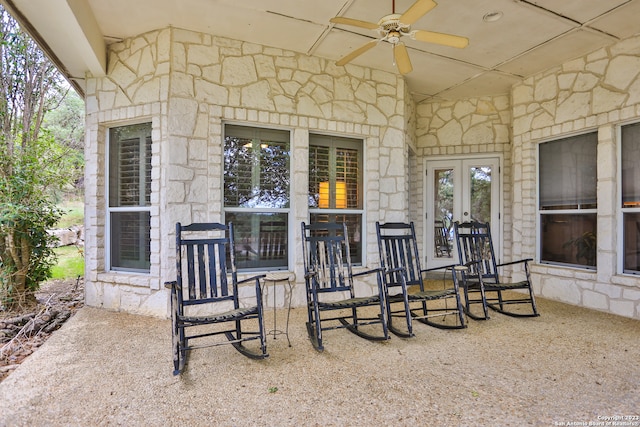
327	254
206	266
475	244
400	255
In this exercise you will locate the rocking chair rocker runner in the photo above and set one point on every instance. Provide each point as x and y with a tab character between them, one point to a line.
401	261
329	276
205	293
475	251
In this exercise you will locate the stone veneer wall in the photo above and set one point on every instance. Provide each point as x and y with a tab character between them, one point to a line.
467	127
188	84
596	92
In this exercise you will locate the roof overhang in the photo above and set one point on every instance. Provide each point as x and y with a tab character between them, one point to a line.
69	23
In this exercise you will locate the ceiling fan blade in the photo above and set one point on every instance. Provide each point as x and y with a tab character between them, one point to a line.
417	11
440	38
354	22
402	58
359	51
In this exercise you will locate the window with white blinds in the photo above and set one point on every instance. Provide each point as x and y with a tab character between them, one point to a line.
568	169
335	185
335	172
567	177
257	195
130	197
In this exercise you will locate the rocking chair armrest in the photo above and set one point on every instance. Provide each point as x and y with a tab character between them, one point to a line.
363	273
526	260
257	284
248	279
171	284
444	267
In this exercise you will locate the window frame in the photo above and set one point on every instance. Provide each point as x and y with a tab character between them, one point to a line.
125	209
620	208
262	210
591	211
358	236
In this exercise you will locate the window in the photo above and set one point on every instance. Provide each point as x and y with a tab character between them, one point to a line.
567	204
130	197
256	195
630	149
335	185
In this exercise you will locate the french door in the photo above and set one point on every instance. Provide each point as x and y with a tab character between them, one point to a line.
459	190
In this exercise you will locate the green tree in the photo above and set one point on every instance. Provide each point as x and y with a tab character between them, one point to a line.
32	164
66	124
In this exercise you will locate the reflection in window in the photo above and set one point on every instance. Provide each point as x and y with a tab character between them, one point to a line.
353	228
569	239
261	240
631	197
567	204
256	194
335	185
480	178
443	212
256	168
130	197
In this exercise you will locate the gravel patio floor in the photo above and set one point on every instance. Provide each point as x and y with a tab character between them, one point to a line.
570	365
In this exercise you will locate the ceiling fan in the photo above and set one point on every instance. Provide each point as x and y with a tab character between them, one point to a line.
392	28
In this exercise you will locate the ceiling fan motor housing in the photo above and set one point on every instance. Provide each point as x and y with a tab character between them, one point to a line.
391	23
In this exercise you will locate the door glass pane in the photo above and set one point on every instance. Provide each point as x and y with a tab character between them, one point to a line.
480	178
443	212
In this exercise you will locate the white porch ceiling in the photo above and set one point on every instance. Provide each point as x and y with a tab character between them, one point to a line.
531	36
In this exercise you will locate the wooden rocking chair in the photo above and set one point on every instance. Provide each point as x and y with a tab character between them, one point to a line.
205	293
475	251
330	286
400	259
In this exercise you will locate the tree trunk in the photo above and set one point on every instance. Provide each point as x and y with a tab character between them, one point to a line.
20	253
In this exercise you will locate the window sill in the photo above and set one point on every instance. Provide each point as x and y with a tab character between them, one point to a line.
143	280
564	271
628	280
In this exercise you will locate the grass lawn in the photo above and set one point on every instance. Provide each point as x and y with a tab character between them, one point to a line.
70	263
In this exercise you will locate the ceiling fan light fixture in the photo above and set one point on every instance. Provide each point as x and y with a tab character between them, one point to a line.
492	16
393	37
